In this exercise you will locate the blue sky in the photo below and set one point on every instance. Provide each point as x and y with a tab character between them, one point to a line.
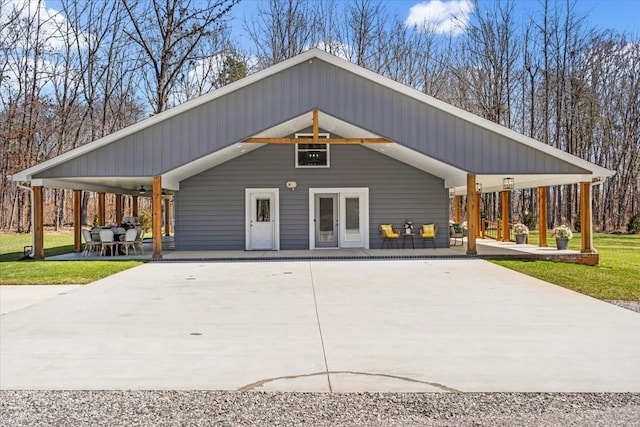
621	15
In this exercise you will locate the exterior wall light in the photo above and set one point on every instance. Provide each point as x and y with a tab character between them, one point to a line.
478	188
291	185
508	183
142	190
452	193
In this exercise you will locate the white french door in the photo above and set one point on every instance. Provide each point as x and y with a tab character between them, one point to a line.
262	228
326	220
339	218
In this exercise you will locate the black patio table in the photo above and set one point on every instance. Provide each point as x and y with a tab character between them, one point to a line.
117	237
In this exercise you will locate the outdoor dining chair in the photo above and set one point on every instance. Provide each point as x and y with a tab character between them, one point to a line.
129	241
106	241
455	233
90	245
139	236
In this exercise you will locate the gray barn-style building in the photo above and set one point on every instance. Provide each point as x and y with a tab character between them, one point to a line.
311	153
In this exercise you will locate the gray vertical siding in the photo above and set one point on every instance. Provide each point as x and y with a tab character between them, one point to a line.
210	207
297	90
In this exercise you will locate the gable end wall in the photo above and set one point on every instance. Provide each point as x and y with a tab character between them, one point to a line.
210	207
251	109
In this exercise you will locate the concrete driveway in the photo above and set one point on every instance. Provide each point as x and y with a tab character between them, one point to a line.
414	325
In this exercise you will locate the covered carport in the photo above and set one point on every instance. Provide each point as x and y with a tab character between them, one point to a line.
470	155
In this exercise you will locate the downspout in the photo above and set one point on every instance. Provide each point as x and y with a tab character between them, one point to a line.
33	237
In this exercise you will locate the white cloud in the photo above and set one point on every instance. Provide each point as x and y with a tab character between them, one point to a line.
50	27
442	17
54	27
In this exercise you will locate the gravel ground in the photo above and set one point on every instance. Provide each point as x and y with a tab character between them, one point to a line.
197	408
629	305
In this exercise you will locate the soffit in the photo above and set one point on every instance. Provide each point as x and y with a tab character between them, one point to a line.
451	175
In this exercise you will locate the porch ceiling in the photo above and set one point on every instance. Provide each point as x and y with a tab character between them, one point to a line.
120	185
493	183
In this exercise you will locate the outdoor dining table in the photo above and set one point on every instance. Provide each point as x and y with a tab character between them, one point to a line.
117	237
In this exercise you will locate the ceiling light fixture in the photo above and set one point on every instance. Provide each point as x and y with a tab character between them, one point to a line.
508	183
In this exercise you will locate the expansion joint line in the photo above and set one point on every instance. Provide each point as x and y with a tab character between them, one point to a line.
324	353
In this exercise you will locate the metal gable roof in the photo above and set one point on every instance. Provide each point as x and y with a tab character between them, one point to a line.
355	101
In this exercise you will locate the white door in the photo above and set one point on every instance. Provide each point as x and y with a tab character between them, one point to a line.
346	220
262	222
352	220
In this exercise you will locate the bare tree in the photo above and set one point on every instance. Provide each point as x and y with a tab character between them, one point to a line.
282	29
422	55
363	24
168	38
611	126
221	63
487	65
26	46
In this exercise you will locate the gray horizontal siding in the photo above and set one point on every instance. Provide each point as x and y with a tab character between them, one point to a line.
275	99
210	207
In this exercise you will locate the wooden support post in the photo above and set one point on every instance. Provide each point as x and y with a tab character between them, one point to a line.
472	214
77	221
316	126
119	208
167	217
585	218
101	208
156	209
38	223
542	216
458	202
504	201
134	206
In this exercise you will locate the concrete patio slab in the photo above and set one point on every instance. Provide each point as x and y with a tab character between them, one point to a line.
486	248
402	325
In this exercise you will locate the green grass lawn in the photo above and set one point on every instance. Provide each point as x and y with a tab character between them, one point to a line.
29	272
617	277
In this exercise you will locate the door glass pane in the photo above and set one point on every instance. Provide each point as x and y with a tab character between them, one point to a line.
352	219
326	219
263	211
